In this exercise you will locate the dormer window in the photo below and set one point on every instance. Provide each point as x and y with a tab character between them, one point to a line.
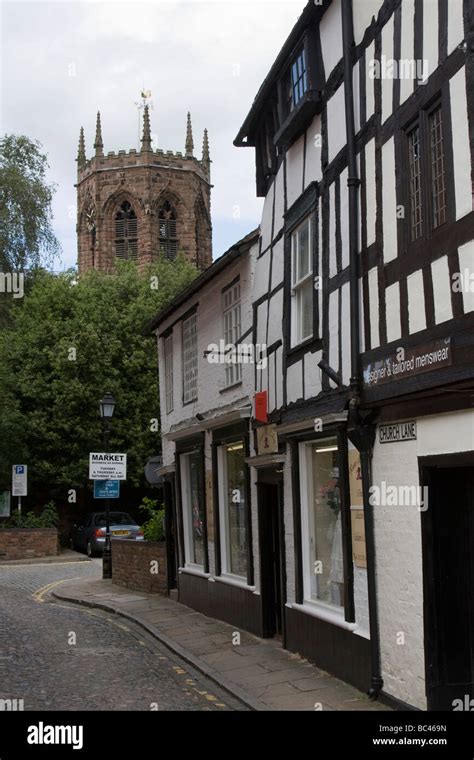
299	88
296	82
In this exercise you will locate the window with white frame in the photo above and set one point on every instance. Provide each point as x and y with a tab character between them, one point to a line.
190	368
301	283
232	509
168	357
232	332
193	508
323	565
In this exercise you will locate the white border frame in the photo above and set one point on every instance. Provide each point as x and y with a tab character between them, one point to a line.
320	609
186	509
237	580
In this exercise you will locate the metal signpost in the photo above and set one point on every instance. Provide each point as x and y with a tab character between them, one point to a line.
106	468
19	483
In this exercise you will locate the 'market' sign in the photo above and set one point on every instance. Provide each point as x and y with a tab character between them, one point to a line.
107	466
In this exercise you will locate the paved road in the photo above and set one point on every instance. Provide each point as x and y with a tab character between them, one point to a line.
56	656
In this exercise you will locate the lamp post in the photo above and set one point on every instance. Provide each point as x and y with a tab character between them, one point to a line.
107	406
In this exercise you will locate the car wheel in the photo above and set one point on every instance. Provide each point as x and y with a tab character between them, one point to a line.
89	550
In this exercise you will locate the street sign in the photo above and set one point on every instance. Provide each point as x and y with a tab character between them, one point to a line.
151	471
106	489
107	466
19	475
397	432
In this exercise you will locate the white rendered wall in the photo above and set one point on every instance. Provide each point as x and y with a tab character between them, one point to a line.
461	150
399	551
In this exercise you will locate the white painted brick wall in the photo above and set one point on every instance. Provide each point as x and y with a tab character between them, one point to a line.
399	576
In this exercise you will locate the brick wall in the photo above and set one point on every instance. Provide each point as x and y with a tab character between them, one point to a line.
140	565
23	543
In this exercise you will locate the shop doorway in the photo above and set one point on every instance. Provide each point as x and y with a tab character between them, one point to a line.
448	569
272	552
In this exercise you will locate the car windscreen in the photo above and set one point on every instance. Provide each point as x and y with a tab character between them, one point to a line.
116	518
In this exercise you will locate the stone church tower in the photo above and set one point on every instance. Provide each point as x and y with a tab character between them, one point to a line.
143	205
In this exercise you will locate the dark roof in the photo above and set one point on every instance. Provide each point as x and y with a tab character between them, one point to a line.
281	60
217	266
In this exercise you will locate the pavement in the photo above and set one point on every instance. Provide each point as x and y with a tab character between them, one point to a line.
60	656
65	555
257	672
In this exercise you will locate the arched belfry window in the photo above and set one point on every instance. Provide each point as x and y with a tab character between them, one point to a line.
126	232
167	229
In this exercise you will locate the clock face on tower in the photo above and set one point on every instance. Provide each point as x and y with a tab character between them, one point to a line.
90	219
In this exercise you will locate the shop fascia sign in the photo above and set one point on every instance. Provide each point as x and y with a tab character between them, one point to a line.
408	362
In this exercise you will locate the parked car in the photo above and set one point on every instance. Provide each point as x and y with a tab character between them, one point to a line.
89	536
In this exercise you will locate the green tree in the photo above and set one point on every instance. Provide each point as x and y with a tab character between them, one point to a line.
26	234
68	345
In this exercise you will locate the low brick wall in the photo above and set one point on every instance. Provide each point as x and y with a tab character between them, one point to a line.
140	565
26	543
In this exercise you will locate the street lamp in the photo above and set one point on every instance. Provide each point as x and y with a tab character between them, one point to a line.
107	407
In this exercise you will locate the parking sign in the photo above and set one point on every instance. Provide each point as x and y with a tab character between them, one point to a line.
19	483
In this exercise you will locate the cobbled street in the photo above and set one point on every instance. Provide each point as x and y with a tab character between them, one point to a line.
55	656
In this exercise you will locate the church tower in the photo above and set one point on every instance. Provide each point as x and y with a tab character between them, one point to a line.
143	205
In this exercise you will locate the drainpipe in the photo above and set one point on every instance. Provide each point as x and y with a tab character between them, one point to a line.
362	431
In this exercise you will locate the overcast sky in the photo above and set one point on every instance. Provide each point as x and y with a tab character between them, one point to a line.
62	61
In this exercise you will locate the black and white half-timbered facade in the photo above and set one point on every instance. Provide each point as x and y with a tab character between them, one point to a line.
324	492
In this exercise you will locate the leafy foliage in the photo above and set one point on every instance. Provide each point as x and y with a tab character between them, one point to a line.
47	519
26	232
69	343
154	527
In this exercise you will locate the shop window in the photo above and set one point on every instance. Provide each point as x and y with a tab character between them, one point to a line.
321	505
193	508
232	506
